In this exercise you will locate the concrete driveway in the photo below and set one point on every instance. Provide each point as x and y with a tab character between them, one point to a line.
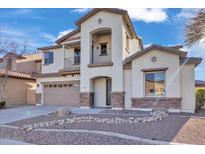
25	112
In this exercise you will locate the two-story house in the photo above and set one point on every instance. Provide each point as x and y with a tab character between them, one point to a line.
15	77
102	63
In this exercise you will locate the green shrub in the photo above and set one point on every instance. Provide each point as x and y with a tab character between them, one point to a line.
200	99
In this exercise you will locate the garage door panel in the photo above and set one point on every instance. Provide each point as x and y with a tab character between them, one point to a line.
62	94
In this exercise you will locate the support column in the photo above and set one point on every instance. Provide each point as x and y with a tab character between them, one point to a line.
117	99
86	99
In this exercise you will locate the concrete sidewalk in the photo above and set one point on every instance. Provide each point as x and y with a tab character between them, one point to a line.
25	112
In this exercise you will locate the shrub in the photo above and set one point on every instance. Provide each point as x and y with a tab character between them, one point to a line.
200	99
2	104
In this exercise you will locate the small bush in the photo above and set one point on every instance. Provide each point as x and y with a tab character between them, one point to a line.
2	104
200	99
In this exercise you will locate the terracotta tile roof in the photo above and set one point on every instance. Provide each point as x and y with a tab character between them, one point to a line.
15	74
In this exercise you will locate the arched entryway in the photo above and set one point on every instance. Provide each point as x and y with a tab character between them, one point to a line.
102	86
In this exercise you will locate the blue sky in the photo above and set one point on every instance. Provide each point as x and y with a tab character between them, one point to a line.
40	27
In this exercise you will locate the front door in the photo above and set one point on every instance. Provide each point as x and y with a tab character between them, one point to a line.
102	88
108	90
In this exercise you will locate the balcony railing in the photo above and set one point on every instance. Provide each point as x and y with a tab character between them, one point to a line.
69	62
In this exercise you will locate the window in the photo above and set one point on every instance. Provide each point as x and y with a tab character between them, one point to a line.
76	56
48	58
155	84
103	48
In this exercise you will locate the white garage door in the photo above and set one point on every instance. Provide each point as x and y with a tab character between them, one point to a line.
63	93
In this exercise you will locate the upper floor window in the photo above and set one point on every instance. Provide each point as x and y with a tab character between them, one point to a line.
155	84
77	56
48	58
103	49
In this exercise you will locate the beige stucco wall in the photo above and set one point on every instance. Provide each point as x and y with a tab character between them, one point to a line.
25	66
38	67
133	43
58	62
100	92
16	90
172	75
114	22
128	87
187	88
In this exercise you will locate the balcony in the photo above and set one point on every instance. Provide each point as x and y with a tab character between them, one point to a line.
71	66
71	61
101	52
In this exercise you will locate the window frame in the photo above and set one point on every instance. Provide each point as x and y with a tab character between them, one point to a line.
103	54
144	84
76	51
48	58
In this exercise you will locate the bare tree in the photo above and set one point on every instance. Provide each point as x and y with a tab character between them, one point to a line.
9	48
195	29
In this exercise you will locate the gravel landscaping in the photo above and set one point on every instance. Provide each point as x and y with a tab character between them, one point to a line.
172	128
63	138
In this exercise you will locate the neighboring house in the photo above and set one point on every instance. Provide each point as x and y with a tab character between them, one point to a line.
102	63
199	84
20	85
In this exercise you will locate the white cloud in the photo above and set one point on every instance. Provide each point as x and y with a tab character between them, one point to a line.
148	15
197	50
48	37
64	33
12	33
186	13
81	10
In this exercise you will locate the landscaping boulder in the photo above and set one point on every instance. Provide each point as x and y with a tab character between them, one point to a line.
63	111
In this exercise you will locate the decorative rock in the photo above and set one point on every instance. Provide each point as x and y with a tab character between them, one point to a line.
62	111
154	116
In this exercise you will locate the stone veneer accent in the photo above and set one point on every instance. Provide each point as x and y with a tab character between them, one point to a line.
161	103
86	99
117	99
